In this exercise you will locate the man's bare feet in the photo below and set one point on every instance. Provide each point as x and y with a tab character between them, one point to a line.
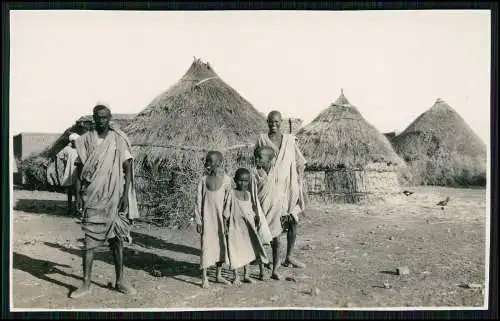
205	284
81	292
276	276
292	262
263	277
125	288
222	280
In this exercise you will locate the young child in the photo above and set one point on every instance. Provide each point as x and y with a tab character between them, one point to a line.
264	159
211	212
247	231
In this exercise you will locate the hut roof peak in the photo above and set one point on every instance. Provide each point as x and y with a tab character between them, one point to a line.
341	100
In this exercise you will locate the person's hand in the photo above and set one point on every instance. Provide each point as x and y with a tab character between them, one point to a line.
198	228
79	206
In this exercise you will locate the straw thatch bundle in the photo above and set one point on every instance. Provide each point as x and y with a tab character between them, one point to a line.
171	136
34	167
441	149
347	158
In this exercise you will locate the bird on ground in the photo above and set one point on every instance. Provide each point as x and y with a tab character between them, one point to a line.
444	203
408	193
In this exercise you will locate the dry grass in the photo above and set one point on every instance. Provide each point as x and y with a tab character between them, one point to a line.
340	136
441	149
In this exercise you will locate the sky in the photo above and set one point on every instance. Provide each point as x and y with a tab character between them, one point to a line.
392	65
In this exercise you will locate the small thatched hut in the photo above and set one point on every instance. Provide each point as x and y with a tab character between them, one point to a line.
173	133
441	149
348	159
34	167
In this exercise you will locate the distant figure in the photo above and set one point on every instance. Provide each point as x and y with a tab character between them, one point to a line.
68	156
444	203
105	195
211	215
247	230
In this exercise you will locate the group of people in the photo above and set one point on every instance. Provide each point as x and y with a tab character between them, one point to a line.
236	217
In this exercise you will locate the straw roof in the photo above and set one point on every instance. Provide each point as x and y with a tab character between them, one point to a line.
340	137
441	138
199	112
439	128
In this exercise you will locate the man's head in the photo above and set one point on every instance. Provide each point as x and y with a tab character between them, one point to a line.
72	138
102	117
274	121
242	179
213	161
264	157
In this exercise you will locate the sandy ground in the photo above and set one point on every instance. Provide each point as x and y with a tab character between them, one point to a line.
352	252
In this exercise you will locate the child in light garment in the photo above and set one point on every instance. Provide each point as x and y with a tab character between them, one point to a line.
260	176
247	230
211	213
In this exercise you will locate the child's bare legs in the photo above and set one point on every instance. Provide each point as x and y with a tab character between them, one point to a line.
275	244
262	274
84	289
246	275
220	278
237	280
204	279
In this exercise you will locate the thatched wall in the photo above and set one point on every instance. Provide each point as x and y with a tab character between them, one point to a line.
351	186
441	149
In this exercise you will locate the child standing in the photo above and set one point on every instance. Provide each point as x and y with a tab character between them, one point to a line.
211	212
248	230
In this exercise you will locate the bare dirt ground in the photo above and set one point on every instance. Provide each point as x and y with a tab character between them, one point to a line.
352	252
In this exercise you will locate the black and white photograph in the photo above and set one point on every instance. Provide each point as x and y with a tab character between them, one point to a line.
211	160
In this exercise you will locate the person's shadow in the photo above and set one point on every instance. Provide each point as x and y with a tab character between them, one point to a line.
153	264
51	207
148	241
41	269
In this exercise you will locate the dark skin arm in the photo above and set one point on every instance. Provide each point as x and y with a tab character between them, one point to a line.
78	198
127	168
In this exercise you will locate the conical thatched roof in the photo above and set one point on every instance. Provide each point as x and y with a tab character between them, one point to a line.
171	136
200	111
340	137
443	143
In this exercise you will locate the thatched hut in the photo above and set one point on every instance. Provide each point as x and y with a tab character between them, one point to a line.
348	159
291	125
173	133
441	149
34	167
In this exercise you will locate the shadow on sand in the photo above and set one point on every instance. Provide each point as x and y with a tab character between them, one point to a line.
50	207
148	241
151	263
41	269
